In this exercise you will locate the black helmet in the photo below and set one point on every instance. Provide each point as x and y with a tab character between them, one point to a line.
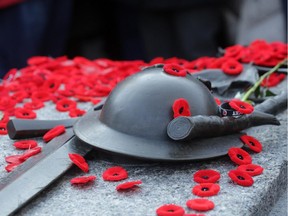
134	118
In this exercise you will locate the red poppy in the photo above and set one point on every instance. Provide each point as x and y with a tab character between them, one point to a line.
34	105
83	179
234	51
31	152
19	96
232	67
79	161
273	80
38	60
41	95
252	143
251	169
25	144
25	113
217	100
206	176
15	159
156	60
6	103
181	108
175	70
239	156
170	210
54	132
11	167
3	128
241	178
116	173
76	113
200	204
241	106
128	185
65	104
206	189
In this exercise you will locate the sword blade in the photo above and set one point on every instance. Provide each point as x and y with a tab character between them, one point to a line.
38	172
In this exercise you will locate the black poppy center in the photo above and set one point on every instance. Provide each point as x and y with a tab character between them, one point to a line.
181	110
175	70
115	174
170	210
240	156
52	85
240	177
25	114
205	189
2	128
65	105
249	170
205	177
252	143
241	106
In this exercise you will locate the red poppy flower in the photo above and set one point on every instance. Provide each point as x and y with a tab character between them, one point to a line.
19	96
34	105
11	167
9	76
241	106
51	84
6	103
25	144
116	173
241	178
79	161
128	185
232	67
76	113
170	210
251	169
252	143
174	69
29	153
54	132
3	128
200	204
206	189
273	80
156	60
65	104
217	100
25	113
181	108
234	51
41	95
38	60
239	156
206	176
83	179
15	159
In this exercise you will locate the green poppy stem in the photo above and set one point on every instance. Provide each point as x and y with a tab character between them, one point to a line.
257	84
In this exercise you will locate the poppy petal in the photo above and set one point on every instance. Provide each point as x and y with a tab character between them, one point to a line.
116	173
25	144
241	178
252	143
200	204
174	69
251	169
79	161
206	189
54	132
241	106
128	185
83	179
206	176
239	156
181	108
170	210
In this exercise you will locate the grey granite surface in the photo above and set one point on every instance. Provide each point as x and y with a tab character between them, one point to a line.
162	183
